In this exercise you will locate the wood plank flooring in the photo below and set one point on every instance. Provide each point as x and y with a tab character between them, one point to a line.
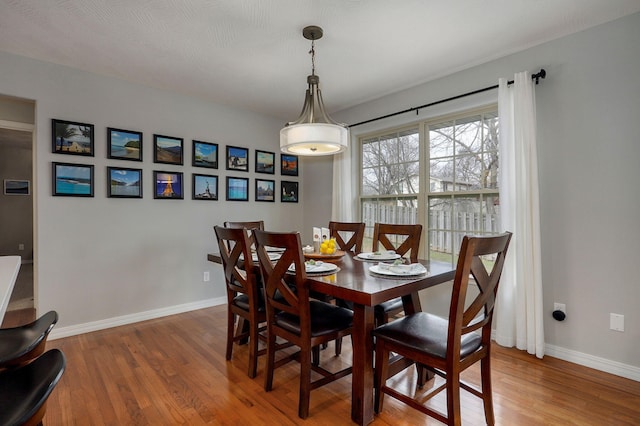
172	371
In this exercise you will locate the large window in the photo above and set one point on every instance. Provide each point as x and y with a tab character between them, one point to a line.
458	171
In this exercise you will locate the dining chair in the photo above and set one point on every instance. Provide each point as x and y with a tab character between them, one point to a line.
20	345
403	239
352	231
244	296
449	346
249	226
293	316
24	390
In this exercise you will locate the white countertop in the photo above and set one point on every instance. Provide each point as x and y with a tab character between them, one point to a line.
9	267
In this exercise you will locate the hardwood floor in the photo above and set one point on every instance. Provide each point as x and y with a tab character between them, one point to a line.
173	371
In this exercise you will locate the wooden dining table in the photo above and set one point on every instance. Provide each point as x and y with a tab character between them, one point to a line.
354	282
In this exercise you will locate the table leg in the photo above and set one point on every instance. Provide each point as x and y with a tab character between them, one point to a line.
362	375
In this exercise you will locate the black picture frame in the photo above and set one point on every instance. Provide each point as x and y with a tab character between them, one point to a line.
124	183
237	158
205	187
168	185
265	162
17	187
124	144
72	138
288	165
289	192
72	179
204	154
237	188
168	150
265	190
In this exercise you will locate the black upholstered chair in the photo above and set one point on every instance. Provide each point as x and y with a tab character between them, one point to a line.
449	346
244	296
24	390
402	239
19	345
294	317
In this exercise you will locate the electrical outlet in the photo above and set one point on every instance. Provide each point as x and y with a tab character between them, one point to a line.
560	307
20	246
616	322
205	277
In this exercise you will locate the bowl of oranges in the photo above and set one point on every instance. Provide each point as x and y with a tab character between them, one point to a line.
328	250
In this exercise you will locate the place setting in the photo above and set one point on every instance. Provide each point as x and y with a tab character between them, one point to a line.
317	268
379	256
398	270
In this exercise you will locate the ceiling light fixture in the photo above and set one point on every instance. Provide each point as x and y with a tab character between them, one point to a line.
313	132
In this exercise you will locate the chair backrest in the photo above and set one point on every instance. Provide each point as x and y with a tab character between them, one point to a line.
284	291
412	233
235	251
356	229
249	226
483	259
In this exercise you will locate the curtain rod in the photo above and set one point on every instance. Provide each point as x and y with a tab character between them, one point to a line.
541	74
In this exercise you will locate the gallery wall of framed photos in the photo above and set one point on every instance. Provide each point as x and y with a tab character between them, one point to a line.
77	179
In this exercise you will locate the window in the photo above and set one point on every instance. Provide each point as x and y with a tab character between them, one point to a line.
460	162
390	179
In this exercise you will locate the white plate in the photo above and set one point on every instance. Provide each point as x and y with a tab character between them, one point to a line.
272	256
398	270
317	268
382	255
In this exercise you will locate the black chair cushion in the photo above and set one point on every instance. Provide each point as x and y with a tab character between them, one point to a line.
325	319
425	333
388	306
242	301
18	341
25	389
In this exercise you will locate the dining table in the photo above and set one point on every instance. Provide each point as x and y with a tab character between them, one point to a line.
354	282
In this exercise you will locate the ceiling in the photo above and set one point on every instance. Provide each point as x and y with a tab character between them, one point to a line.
251	54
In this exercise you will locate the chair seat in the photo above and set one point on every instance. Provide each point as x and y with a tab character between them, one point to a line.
388	306
325	319
19	341
24	390
425	333
242	301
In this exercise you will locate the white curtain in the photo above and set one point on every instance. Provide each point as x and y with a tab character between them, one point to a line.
342	206
519	313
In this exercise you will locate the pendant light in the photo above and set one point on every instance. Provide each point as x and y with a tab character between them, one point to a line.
313	133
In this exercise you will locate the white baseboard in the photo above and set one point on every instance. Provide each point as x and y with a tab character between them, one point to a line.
74	330
597	363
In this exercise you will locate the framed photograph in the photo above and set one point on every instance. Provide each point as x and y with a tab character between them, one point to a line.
72	180
167	185
205	154
237	158
167	150
265	162
289	165
124	144
124	183
17	187
205	187
265	190
69	137
289	192
237	189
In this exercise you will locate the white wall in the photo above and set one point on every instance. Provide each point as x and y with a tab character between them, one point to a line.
589	151
100	261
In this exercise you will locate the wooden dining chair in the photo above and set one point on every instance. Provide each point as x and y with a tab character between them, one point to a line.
353	232
294	317
244	296
249	226
24	390
449	347
402	239
20	345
